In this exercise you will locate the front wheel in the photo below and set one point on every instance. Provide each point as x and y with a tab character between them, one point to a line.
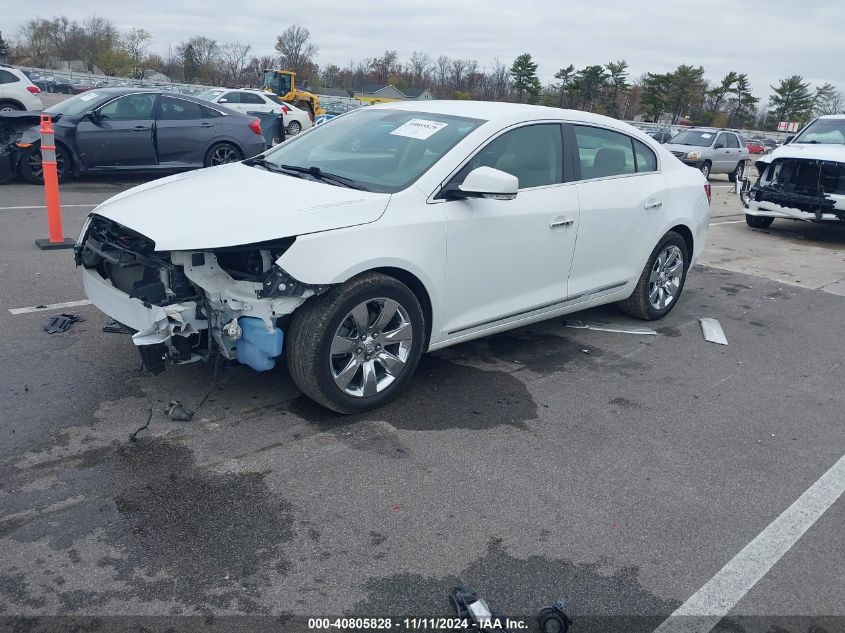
705	170
758	221
354	348
662	280
31	169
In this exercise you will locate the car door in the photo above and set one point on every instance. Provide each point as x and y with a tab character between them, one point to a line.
253	102
721	154
232	99
623	199
119	133
183	132
734	152
508	259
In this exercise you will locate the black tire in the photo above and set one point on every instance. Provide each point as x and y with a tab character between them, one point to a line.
638	304
293	128
10	106
758	221
705	169
314	325
221	154
737	173
29	166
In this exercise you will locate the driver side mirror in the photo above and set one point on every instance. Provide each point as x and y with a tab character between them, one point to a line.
93	116
719	146
484	182
789	139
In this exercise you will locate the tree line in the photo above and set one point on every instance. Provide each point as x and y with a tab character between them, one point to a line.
683	94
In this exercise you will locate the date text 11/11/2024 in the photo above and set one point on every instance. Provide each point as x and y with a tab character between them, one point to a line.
415	624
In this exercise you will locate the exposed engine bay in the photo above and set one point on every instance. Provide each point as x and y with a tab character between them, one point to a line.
809	186
189	305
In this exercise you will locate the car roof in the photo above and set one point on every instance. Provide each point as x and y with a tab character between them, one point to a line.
832	116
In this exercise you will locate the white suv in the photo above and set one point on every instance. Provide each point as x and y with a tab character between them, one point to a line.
17	92
251	100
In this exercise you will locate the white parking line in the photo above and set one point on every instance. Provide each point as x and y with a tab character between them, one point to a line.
51	306
64	206
703	610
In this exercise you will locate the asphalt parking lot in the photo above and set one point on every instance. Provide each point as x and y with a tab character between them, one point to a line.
621	472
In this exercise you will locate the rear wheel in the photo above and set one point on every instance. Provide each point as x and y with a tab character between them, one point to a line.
737	173
662	280
294	128
221	154
31	169
354	348
758	221
10	106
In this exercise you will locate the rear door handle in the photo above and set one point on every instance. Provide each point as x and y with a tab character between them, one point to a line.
140	128
652	204
206	125
561	222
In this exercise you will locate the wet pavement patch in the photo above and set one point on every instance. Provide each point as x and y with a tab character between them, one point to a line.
442	395
520	587
541	353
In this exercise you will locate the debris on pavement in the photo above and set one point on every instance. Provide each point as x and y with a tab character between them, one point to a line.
469	606
609	327
177	413
61	322
553	619
116	327
713	332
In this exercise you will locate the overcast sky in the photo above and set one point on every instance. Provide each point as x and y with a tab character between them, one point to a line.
768	40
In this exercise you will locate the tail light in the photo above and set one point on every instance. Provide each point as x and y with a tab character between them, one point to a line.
708	191
34	89
285	109
255	126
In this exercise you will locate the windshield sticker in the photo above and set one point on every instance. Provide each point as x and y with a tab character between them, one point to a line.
89	96
419	128
706	135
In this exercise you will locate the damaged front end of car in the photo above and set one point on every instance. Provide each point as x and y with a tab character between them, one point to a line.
184	306
800	189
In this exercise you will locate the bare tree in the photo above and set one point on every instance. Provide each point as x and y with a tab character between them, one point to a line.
498	79
100	36
418	66
456	72
35	40
295	47
136	42
233	57
442	66
385	66
66	37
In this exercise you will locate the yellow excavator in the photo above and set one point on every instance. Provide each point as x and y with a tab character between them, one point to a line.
282	83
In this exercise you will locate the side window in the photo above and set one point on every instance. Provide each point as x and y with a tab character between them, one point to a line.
8	78
721	141
732	140
249	97
604	153
646	160
179	110
533	153
130	107
209	113
230	97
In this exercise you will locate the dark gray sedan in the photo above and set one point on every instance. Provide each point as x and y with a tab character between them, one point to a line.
113	130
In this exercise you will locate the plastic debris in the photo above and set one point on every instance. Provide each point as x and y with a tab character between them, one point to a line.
61	322
116	327
610	327
553	619
713	332
176	411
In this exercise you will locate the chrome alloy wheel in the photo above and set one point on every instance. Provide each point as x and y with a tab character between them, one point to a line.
224	154
371	347
665	279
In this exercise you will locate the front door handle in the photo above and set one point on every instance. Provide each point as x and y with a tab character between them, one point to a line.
560	222
140	128
206	125
652	204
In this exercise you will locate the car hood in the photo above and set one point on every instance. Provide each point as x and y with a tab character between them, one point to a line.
235	204
673	147
809	151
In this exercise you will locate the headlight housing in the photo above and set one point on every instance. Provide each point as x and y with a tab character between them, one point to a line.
693	155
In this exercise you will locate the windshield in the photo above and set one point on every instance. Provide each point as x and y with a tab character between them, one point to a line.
208	95
826	131
75	105
381	150
699	138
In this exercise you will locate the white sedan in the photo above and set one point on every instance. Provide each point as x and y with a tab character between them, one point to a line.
250	100
396	230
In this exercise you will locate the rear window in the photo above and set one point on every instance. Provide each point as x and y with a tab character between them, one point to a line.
604	153
8	78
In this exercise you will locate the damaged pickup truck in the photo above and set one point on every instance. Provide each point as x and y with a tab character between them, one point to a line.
802	180
354	247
